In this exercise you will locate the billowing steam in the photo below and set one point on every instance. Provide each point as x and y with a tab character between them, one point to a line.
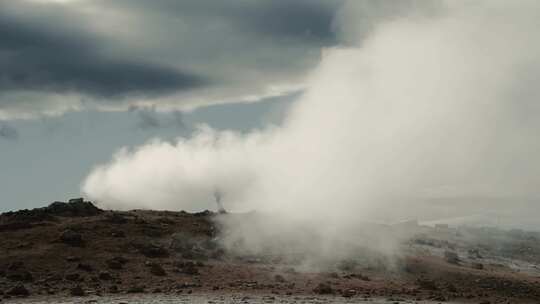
431	105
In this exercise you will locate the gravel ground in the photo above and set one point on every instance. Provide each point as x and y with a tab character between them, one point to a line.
213	299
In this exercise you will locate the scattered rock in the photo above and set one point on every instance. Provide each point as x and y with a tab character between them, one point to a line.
474	254
157	270
203	213
118	234
279	278
72	238
73	277
18	290
323	289
153	251
451	257
15	265
113	289
73	259
357	276
77	291
19	275
348	293
136	289
190	268
478	266
426	284
85	267
105	276
116	263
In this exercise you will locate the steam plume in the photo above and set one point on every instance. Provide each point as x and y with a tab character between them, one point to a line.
427	106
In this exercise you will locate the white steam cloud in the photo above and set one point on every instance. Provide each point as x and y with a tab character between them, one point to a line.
431	105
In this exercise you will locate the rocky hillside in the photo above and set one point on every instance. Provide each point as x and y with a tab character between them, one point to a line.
77	249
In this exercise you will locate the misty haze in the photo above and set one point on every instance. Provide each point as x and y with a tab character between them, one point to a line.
269	151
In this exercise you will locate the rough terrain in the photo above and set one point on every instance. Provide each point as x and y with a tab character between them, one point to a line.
78	250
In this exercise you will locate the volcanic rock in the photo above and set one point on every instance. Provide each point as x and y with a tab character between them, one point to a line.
85	267
18	290
75	207
116	263
105	276
19	275
478	266
77	291
71	238
157	270
136	289
153	251
451	257
279	278
348	293
190	268
73	277
323	289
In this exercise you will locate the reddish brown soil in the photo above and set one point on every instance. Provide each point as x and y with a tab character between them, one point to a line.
32	253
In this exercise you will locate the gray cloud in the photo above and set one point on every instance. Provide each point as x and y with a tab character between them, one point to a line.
173	54
303	20
44	59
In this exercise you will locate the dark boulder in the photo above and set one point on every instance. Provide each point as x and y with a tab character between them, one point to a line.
72	238
190	268
75	207
105	276
114	289
479	266
19	275
118	234
136	289
426	284
77	291
23	218
116	263
451	257
157	270
348	293
279	278
153	251
85	267
73	277
323	289
18	290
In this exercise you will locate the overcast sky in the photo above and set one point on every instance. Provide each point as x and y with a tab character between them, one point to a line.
80	79
58	56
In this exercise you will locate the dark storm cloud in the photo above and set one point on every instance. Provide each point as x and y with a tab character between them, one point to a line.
105	55
8	132
46	60
303	19
299	19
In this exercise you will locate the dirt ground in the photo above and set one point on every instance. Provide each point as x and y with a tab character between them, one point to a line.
76	249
